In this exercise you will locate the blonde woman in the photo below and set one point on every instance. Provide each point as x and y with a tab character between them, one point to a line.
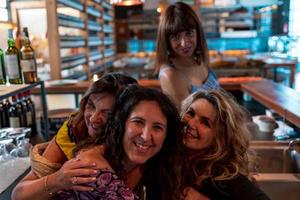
215	136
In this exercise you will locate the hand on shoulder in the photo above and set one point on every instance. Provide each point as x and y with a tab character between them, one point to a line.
94	155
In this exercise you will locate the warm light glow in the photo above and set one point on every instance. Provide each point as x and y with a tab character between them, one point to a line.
95	77
127	2
6	25
158	10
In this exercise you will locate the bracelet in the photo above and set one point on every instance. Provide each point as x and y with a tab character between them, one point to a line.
46	186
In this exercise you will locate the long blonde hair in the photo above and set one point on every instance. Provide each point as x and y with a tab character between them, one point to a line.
229	154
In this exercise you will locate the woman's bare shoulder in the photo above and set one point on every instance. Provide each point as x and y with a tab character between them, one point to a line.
168	73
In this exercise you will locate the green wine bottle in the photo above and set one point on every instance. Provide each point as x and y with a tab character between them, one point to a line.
2	68
13	68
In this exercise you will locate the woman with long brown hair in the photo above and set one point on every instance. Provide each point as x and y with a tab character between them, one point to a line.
182	54
142	145
55	168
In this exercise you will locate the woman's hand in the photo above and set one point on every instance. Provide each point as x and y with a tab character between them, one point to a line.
73	175
192	194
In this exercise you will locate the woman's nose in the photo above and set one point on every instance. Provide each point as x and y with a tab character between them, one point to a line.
192	122
96	117
146	134
182	41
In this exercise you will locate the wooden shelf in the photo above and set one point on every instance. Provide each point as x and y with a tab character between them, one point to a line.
108	41
94	26
95	37
69	21
70	62
95	55
77	75
107	17
93	11
71	41
72	4
95	41
107	29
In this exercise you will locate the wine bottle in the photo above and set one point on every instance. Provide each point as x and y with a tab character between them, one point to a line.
2	68
25	32
6	106
28	62
14	117
2	115
13	68
22	110
31	122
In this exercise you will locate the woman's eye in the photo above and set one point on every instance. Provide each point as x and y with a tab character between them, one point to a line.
190	113
138	122
206	123
159	128
190	32
107	112
174	37
90	105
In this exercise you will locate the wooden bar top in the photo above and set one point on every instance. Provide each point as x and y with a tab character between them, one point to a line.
81	86
227	83
283	100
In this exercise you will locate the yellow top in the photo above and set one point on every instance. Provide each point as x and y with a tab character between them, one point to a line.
64	142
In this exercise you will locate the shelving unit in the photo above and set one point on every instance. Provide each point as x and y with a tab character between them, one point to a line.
9	90
81	40
233	21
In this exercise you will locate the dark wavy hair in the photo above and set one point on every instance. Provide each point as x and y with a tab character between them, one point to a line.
179	17
111	83
162	176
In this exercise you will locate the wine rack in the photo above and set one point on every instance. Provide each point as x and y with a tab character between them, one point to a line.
10	90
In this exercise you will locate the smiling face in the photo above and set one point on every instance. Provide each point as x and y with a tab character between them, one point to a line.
145	132
184	43
96	110
199	130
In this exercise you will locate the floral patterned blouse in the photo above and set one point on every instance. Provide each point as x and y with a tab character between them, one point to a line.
107	187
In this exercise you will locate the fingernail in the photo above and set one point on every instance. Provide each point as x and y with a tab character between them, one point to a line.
94	164
92	189
95	171
77	159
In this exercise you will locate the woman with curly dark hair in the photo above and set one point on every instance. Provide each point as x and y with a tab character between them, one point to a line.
142	145
216	138
55	168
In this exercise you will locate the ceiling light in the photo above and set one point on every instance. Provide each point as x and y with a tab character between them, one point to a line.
127	2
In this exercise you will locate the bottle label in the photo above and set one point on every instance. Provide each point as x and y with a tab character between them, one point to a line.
29	118
12	66
28	65
14	122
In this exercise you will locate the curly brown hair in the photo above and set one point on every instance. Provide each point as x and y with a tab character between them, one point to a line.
111	83
229	154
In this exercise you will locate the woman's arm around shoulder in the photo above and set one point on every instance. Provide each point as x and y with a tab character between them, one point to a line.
33	187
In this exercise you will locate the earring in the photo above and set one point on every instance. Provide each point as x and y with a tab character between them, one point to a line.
197	52
168	53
